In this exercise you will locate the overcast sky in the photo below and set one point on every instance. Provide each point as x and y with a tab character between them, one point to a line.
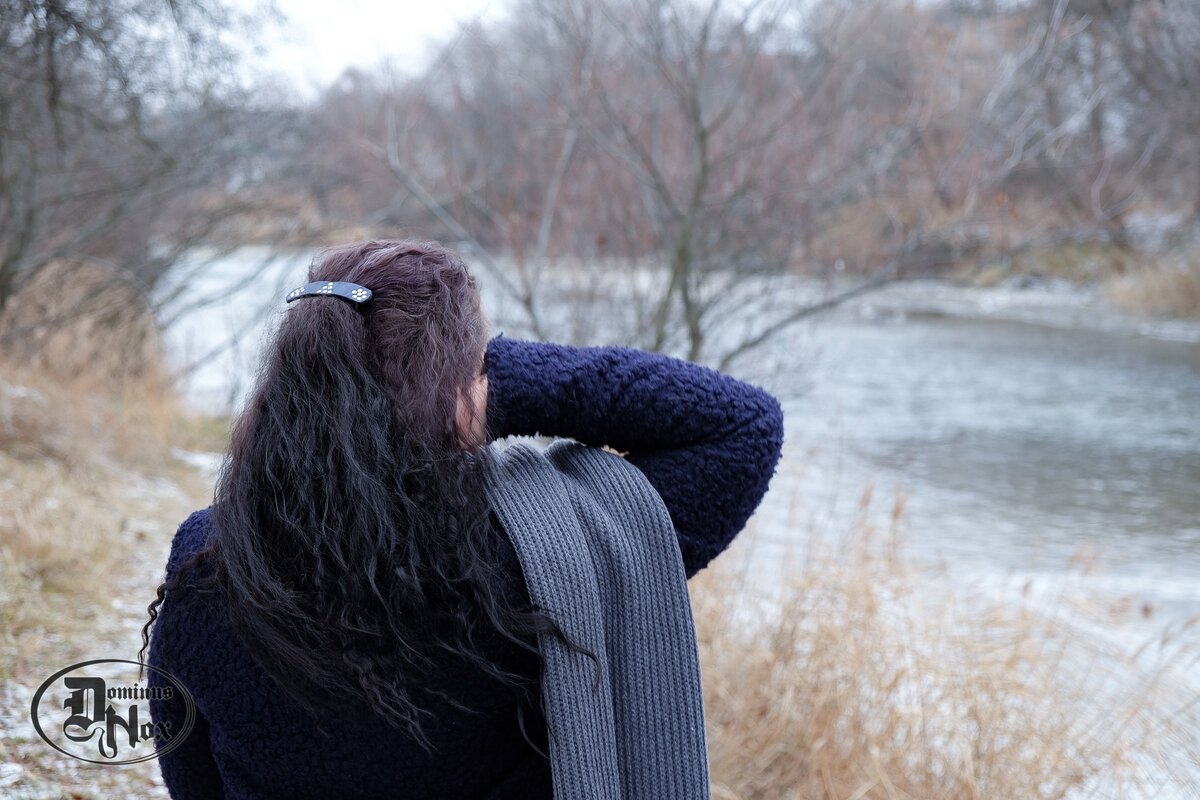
324	37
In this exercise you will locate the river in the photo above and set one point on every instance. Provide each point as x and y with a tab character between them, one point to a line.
1019	446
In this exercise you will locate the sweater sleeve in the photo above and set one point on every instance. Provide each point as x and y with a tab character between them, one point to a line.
708	443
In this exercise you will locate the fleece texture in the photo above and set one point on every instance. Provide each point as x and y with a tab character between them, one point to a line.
707	443
631	725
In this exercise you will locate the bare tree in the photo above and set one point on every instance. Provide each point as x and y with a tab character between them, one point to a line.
704	162
122	139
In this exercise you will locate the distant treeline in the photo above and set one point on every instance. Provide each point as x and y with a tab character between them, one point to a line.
853	133
872	137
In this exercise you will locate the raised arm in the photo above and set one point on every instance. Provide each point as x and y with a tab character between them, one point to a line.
708	443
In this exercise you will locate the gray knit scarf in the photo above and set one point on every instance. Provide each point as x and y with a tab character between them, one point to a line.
598	550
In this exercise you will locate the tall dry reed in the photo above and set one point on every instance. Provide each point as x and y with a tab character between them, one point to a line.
1170	289
88	417
862	674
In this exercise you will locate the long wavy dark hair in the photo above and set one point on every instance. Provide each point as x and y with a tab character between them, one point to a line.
352	532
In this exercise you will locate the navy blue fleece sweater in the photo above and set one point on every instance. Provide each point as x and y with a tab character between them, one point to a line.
709	445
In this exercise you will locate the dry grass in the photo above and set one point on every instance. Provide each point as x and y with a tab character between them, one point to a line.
1169	289
89	497
868	677
84	373
84	454
75	443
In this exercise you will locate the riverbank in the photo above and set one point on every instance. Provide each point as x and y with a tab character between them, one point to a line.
1025	426
1052	303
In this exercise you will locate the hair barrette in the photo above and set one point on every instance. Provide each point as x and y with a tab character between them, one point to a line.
344	289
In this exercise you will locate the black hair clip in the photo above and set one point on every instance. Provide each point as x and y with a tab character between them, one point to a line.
349	291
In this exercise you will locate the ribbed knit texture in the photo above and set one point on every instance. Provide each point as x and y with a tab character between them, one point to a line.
631	727
706	442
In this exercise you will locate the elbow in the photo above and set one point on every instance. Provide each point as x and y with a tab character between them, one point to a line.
762	435
748	462
773	422
755	453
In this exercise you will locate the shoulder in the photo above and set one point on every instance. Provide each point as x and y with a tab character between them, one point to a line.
605	476
573	458
192	535
561	458
569	469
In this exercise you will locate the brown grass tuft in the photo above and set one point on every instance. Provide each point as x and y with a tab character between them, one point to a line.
90	495
83	372
868	677
1170	290
74	321
86	469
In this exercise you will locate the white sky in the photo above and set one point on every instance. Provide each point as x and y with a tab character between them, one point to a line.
323	37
